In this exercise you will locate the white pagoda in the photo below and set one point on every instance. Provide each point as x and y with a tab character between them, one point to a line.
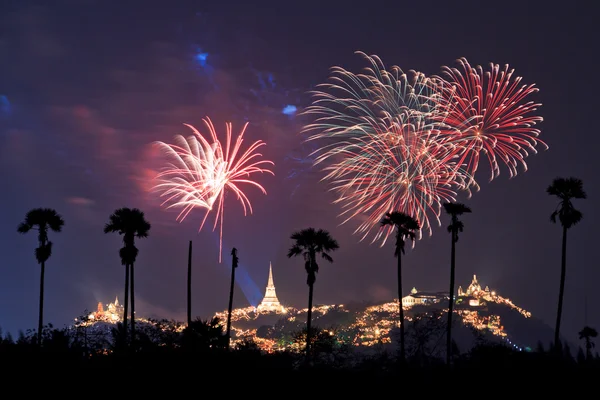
270	303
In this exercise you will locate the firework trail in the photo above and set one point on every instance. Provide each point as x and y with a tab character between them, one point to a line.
396	141
383	147
488	113
201	170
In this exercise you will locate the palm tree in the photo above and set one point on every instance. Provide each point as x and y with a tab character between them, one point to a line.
406	227
454	210
130	223
41	219
310	243
234	265
565	189
587	334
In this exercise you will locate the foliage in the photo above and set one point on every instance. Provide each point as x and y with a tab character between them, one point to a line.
311	243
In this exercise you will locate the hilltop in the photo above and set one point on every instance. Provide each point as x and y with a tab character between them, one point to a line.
480	315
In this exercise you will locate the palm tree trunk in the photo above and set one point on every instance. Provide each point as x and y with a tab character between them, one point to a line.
126	304
401	309
231	288
309	320
588	349
561	292
189	286
41	311
451	301
132	308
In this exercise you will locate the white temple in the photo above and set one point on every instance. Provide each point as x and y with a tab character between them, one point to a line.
270	303
473	289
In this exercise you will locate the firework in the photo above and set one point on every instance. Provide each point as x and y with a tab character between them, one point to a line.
396	141
488	113
384	150
201	170
400	169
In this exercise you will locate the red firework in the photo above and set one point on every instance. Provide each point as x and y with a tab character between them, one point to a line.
488	112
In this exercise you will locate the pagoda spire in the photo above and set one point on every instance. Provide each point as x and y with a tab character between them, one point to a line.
270	303
270	282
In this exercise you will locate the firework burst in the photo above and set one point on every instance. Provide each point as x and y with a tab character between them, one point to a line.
396	141
394	167
488	113
384	151
202	170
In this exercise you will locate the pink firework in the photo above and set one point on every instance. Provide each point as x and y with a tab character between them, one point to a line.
201	170
488	113
397	164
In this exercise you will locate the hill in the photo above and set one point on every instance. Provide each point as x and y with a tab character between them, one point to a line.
480	315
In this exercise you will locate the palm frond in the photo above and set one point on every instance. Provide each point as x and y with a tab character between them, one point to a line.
310	243
24	227
294	251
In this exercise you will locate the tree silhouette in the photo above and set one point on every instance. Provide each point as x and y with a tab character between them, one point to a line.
131	224
204	335
42	219
456	226
189	285
309	243
234	265
406	227
587	334
566	189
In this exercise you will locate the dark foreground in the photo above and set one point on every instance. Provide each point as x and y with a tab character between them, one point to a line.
203	363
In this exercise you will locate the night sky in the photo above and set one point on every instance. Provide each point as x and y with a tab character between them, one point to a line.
87	86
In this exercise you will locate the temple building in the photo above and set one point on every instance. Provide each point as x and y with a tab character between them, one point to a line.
270	303
416	298
113	312
473	289
475	294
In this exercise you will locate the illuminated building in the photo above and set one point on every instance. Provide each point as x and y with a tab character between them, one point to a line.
474	296
270	303
416	298
113	312
473	289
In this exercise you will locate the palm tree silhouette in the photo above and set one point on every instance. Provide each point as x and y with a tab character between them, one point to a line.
565	189
42	219
310	243
454	210
406	227
587	333
234	265
130	223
